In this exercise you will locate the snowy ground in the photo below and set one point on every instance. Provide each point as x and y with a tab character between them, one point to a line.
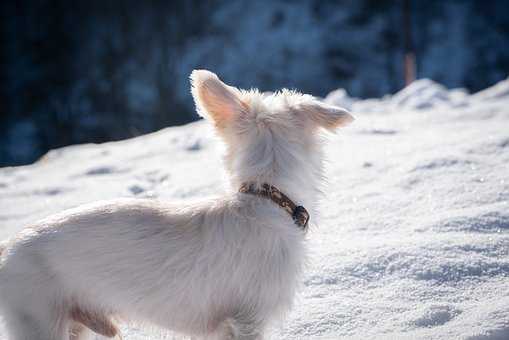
413	241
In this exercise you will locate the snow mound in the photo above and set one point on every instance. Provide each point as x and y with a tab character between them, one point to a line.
421	94
425	94
413	240
497	92
339	98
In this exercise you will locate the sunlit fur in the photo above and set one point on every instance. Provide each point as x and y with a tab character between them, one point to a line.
220	268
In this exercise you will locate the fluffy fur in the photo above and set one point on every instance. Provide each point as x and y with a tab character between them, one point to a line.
218	269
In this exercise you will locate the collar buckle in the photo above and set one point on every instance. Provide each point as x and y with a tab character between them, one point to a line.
301	217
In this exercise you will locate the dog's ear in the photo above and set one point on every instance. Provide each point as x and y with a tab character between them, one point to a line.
325	115
214	99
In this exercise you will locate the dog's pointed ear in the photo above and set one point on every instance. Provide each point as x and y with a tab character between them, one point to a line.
325	115
214	99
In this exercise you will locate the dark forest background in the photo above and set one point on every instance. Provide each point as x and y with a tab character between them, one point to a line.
94	71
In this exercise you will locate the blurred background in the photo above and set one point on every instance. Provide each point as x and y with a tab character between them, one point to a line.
93	71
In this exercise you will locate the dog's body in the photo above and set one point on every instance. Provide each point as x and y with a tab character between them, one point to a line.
220	268
187	268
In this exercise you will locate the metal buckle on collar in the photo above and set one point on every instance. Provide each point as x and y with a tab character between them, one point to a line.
301	217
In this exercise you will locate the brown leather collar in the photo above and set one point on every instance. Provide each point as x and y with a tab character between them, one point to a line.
298	213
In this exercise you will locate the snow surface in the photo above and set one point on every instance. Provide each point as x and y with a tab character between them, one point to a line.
413	241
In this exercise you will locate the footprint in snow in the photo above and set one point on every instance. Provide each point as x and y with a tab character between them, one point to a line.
195	146
378	132
154	177
136	189
504	143
103	170
436	316
442	163
51	191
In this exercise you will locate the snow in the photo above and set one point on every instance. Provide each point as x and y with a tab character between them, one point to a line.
413	239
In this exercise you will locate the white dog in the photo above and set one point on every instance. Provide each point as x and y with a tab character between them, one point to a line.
218	269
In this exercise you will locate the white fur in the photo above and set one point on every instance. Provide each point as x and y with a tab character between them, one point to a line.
219	268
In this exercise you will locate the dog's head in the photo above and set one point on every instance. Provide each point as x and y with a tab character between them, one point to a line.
265	134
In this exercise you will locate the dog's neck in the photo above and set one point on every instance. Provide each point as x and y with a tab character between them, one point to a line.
295	177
